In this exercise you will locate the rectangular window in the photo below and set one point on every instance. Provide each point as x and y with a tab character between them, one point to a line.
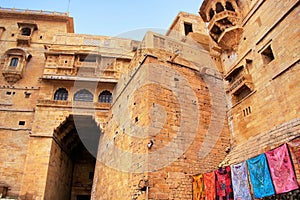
21	123
267	55
14	62
27	94
87	58
188	27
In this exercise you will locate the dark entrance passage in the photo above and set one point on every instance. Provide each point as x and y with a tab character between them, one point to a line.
83	197
72	159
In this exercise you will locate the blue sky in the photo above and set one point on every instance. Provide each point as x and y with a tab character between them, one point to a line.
112	17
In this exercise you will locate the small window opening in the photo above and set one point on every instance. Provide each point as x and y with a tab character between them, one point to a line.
27	94
188	27
247	111
211	13
14	62
268	55
41	37
26	31
229	6
136	119
219	7
12	35
8	93
66	61
21	123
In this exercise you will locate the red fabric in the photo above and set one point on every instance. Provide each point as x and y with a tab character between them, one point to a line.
210	186
223	184
295	150
281	170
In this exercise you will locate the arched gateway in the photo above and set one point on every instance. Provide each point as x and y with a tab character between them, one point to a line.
72	159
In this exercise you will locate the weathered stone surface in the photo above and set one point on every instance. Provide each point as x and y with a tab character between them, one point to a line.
183	103
262	74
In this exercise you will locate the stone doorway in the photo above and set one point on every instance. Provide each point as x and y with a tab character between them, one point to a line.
72	159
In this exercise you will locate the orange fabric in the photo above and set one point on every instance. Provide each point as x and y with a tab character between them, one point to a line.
198	187
210	186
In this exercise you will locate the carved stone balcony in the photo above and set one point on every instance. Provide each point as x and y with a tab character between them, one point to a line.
25	33
240	82
225	30
11	75
23	40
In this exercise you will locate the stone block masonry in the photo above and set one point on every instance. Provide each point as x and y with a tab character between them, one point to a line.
167	106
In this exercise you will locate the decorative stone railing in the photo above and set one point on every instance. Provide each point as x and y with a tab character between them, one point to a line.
239	82
230	15
74	104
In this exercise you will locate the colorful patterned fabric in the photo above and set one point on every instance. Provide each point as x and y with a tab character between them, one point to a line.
281	170
294	146
198	187
240	183
210	186
260	176
223	184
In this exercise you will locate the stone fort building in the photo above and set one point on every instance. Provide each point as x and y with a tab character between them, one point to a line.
98	117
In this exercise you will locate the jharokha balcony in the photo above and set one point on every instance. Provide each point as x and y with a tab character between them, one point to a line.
224	29
240	82
224	22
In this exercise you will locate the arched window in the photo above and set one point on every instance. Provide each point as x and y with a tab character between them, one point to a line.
105	97
61	94
83	95
14	62
26	31
229	6
219	7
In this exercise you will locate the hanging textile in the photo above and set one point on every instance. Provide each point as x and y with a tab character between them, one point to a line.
198	187
223	183
240	182
260	176
210	186
295	150
281	170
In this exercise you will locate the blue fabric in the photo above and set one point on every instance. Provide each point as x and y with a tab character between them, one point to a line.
260	176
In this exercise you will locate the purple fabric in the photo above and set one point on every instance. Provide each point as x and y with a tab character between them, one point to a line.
240	182
281	169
